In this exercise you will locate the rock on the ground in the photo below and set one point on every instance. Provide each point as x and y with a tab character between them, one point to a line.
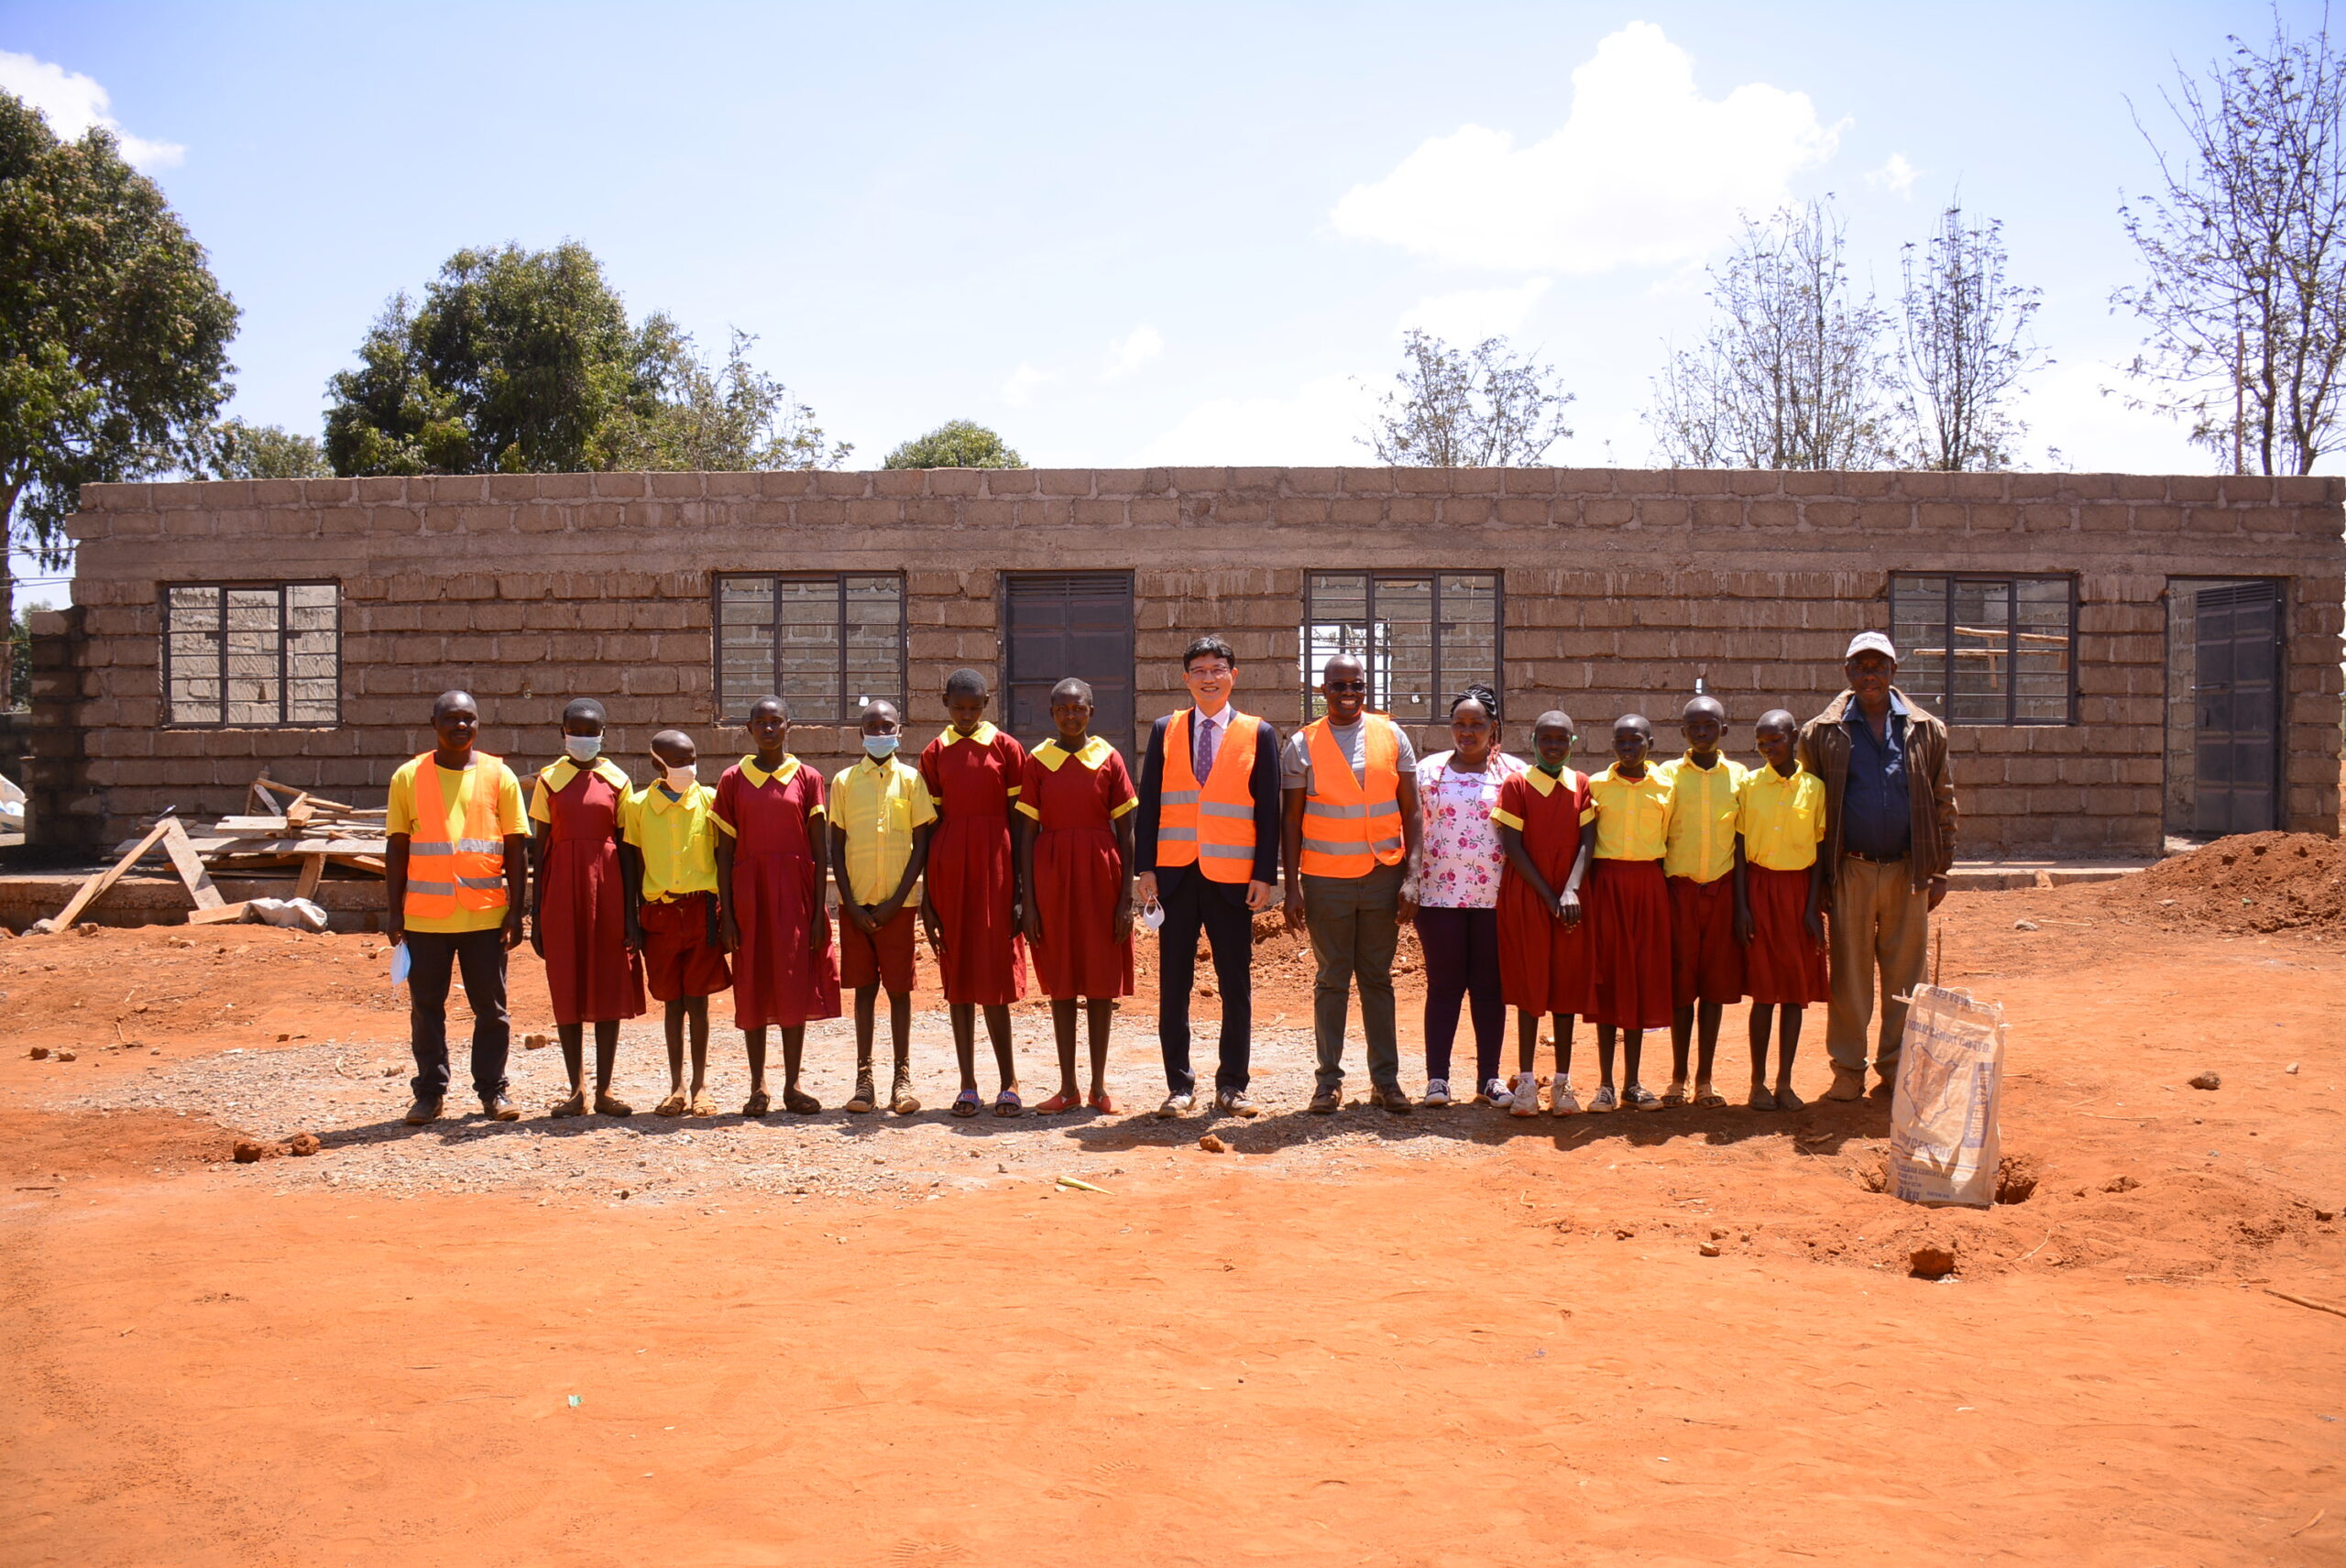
40	1053
1709	1249
250	1151
2016	1178
1932	1260
2207	1080
1212	1144
302	1145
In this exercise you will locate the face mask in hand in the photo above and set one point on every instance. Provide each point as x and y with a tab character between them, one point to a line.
681	779
1152	915
881	747
582	747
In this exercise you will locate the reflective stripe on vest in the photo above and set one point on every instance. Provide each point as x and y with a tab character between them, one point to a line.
467	873
1213	827
1351	826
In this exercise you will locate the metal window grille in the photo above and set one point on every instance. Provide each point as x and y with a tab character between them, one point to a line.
822	642
1423	636
252	655
1988	650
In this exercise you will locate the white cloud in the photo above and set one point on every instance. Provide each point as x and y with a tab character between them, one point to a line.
1467	318
73	103
1019	390
2080	408
1897	177
1645	172
1129	353
1315	423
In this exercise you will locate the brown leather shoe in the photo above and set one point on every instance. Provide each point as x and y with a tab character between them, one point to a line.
1327	1101
1849	1083
1394	1101
608	1104
422	1112
497	1108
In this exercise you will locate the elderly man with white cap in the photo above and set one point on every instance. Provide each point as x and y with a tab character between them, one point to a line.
1889	844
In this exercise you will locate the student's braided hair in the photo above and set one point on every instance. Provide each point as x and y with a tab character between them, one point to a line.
1477	691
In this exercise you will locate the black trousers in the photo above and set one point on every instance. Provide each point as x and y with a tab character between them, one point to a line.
432	956
1221	912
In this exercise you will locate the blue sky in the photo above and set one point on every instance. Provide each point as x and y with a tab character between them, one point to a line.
1127	235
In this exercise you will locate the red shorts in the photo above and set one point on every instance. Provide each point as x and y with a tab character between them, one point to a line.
1782	967
679	959
883	958
1705	960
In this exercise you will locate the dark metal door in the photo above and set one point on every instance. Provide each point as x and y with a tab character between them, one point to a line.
2236	695
1058	624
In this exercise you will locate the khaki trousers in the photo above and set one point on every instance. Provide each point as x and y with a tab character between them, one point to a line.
1879	934
1355	929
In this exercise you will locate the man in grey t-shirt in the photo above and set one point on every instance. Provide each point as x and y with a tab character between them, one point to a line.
1348	841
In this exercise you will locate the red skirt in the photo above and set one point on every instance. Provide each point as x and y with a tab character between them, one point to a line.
1705	960
1543	963
883	958
1628	921
777	980
1782	967
582	924
970	877
1079	877
679	959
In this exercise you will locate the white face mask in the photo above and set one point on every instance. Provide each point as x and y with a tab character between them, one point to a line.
1152	915
582	747
681	779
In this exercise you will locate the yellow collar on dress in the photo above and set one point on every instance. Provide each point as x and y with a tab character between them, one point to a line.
1538	778
558	774
1092	753
982	735
758	775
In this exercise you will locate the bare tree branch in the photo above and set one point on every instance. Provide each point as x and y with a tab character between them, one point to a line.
1478	409
1966	346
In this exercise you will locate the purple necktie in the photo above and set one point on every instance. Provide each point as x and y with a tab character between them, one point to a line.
1205	748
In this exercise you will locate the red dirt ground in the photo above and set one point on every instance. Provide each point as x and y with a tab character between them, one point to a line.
1520	1358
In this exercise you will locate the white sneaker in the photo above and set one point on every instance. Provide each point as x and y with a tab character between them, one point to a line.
1437	1091
1562	1100
1605	1099
1523	1095
1495	1092
1178	1105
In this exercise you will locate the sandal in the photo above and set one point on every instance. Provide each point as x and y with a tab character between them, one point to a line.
798	1103
1065	1100
758	1103
1707	1097
967	1103
1007	1103
704	1103
1788	1100
1675	1095
1764	1099
574	1106
1101	1104
674	1105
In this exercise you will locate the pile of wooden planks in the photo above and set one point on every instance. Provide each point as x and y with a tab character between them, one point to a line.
283	831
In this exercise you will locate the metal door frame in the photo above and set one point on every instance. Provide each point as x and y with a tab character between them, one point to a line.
2280	687
1129	744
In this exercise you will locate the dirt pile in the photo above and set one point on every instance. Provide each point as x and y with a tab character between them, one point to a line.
2254	881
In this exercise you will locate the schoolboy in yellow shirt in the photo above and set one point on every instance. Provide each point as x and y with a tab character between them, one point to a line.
1705	959
669	823
880	821
1629	911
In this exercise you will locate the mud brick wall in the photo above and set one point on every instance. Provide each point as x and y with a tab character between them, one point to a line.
1621	588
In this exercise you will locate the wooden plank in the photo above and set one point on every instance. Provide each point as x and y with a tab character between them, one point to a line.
221	844
91	890
298	815
363	862
192	876
313	868
218	914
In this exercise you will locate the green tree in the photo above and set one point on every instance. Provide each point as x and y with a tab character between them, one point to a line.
524	362
113	335
246	451
956	444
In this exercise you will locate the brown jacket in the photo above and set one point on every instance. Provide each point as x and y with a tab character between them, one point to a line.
1824	751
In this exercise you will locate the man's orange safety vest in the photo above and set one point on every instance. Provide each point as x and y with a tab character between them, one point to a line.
1213	827
1351	825
444	877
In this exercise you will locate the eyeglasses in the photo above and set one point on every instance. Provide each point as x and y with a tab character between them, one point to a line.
1205	672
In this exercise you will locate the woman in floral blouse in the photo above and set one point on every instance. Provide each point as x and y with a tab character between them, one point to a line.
1457	891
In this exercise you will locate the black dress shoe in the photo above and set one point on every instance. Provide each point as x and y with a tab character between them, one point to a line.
424	1111
497	1108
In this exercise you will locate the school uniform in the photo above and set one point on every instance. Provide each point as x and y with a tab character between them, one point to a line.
1545	966
459	928
878	803
1075	799
676	837
591	974
1705	959
1782	822
971	871
785	972
1628	901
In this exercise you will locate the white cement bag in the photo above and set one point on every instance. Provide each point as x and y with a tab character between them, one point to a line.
1943	1144
298	914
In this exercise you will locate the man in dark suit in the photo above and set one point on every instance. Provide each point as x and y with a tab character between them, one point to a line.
1207	850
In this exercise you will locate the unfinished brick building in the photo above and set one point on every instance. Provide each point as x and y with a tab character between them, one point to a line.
2121	657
